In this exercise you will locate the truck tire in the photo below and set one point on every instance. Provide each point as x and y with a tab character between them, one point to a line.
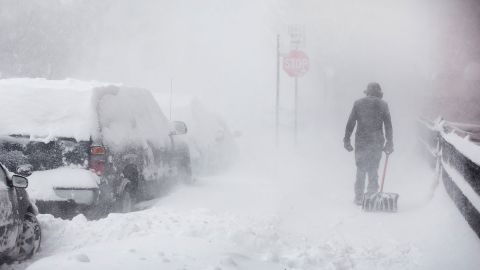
184	166
30	238
124	202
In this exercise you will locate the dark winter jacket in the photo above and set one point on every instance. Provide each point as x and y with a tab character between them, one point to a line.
370	114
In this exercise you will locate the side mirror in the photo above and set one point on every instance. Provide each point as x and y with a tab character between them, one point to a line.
19	181
178	128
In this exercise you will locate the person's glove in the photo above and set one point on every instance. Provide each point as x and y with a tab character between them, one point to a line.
388	148
348	146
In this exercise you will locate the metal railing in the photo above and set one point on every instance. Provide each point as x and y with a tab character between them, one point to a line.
458	172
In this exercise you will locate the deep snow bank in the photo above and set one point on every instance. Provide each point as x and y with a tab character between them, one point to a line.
204	239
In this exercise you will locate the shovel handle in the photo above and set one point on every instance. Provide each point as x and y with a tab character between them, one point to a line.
384	173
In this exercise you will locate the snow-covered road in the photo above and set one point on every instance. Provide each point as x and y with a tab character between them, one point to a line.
291	212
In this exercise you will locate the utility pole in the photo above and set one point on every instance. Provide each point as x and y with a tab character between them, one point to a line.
296	112
171	97
277	104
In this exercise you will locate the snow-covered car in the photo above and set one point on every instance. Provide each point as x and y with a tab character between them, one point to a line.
91	147
20	233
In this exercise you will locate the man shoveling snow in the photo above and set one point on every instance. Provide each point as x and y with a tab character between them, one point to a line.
370	114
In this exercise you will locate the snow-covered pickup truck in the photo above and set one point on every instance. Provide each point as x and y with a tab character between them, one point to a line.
90	147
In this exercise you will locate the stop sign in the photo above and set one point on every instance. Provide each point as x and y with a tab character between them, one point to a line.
296	63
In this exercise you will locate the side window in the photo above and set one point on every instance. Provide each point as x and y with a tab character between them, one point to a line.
3	179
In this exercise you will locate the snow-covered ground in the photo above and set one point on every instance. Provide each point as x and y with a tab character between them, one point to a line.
282	213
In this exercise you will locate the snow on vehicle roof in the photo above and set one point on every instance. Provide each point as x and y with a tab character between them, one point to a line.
44	109
130	117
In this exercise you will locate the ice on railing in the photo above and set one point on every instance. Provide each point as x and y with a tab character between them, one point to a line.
464	145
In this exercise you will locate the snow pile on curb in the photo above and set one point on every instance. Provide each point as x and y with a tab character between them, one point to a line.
201	239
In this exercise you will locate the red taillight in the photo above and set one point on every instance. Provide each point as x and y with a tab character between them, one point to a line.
97	150
97	166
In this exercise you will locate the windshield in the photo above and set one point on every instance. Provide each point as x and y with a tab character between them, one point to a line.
17	151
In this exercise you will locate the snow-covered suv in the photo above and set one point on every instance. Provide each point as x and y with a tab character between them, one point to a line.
211	143
93	148
20	233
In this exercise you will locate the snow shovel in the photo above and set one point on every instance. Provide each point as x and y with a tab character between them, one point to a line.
380	201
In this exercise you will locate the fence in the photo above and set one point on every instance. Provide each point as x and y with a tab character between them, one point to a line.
452	149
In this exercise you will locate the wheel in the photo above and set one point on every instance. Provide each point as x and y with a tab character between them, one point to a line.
29	240
185	175
124	203
97	212
185	168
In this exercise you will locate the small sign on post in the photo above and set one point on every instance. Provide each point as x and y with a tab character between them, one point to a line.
297	36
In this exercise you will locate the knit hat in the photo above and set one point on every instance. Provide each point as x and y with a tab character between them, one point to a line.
374	89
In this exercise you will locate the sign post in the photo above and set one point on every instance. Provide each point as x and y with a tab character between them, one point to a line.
277	101
295	128
296	64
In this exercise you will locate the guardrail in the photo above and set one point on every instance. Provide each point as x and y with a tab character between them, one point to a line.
454	150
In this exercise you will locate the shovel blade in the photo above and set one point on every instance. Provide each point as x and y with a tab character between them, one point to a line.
380	202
